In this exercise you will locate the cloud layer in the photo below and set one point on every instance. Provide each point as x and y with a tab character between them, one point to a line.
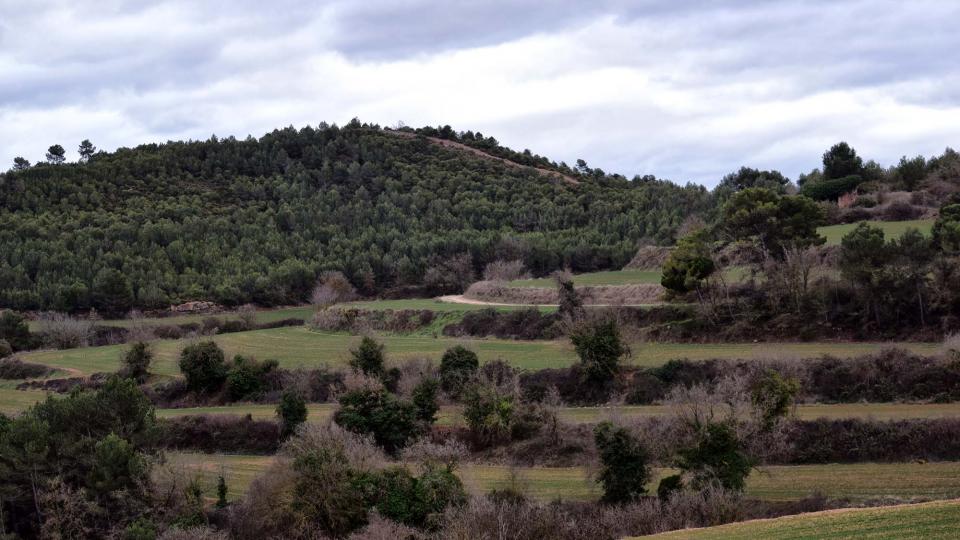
688	93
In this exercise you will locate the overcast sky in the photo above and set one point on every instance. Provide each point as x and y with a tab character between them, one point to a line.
648	86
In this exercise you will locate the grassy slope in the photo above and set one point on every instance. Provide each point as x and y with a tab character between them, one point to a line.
934	520
856	481
833	234
892	229
299	346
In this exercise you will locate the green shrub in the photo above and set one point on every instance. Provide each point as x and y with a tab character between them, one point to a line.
668	486
830	190
14	329
490	415
5	348
391	421
203	366
368	357
946	230
457	367
600	349
328	494
717	457
772	396
245	379
136	362
424	399
624	465
141	529
221	491
292	411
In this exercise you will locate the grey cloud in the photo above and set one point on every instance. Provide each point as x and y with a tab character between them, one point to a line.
690	90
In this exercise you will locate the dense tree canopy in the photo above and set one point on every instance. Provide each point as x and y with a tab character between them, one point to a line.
775	222
239	221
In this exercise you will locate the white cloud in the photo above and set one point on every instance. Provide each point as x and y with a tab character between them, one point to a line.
685	93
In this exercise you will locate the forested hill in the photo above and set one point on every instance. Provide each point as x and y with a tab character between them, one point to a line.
239	221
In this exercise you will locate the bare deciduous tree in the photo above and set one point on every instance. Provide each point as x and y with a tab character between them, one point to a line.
332	288
64	331
504	271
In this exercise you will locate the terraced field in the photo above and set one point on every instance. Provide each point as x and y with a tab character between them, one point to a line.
300	346
13	401
777	483
934	520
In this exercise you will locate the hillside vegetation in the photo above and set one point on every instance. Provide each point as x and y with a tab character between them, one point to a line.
237	221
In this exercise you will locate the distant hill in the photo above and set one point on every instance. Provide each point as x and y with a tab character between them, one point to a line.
258	220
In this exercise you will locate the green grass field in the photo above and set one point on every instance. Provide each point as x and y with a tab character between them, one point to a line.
612	277
778	483
933	520
299	346
892	229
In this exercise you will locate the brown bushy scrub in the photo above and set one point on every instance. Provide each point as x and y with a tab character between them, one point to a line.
856	441
360	321
332	288
14	368
62	331
526	324
640	293
225	434
66	385
505	271
522	519
412	372
889	375
650	257
192	533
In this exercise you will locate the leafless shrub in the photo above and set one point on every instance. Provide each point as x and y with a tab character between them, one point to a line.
265	511
168	489
248	314
690	225
330	319
520	519
138	329
381	528
429	454
64	331
505	271
951	346
650	257
412	371
789	280
332	288
609	295
354	380
67	512
193	533
361	452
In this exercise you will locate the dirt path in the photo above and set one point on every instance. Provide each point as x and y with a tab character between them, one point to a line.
461	299
480	153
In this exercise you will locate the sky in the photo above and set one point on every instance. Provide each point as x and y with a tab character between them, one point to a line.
684	90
